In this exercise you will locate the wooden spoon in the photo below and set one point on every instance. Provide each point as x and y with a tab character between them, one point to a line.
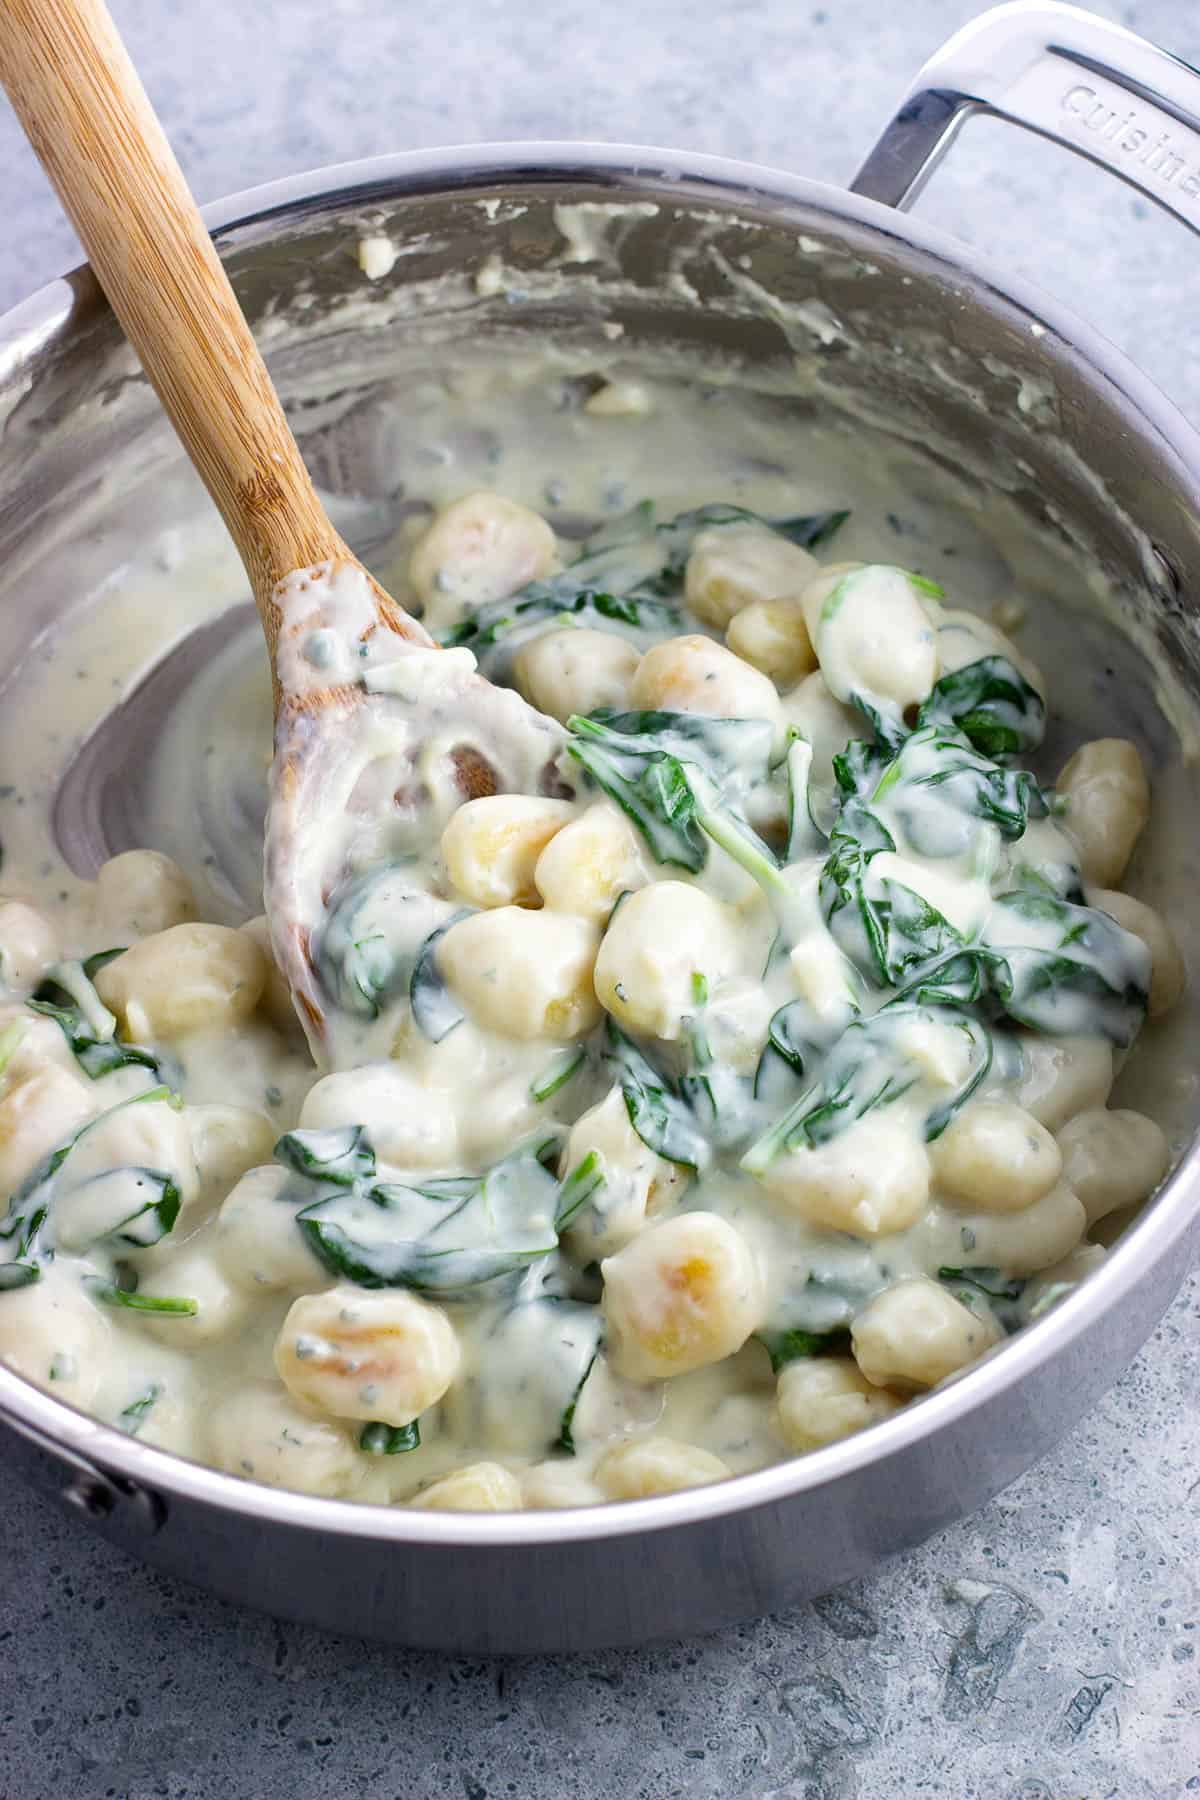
79	99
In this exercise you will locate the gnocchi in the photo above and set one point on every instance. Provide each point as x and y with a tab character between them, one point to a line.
491	847
694	675
708	1046
997	1157
36	1117
1112	1160
735	566
187	978
823	1398
259	1433
359	1355
772	637
142	892
565	672
412	1125
477	549
657	1465
630	1175
659	942
524	974
1107	796
1168	975
589	864
28	946
683	1294
257	1243
51	1333
481	1487
915	1334
872	1181
873	635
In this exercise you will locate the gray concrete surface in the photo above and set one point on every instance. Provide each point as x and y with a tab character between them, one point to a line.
1044	1650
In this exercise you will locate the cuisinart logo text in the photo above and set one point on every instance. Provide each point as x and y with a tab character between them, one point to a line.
1120	131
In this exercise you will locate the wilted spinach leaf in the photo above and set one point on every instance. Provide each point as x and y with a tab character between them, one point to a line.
657	1111
438	1236
70	1008
784	1347
992	704
1061	968
871	1066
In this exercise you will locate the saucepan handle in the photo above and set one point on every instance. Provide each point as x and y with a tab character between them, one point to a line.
1066	74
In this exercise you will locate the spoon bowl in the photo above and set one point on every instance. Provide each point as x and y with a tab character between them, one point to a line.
87	116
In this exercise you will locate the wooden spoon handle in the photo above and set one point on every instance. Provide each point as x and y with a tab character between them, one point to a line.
88	117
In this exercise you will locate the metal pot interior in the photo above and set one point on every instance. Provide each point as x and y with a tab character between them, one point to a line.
822	302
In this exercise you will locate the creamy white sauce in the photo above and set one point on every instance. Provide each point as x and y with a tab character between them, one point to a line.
825	1229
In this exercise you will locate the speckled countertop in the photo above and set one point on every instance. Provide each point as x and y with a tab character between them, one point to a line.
1049	1648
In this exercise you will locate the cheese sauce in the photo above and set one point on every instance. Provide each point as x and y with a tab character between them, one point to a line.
733	1068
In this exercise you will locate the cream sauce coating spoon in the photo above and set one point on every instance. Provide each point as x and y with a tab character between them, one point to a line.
371	719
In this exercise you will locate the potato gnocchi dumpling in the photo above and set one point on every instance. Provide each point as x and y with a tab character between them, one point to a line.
1107	796
187	978
707	1047
772	637
694	675
410	1123
661	941
481	1487
359	1355
477	549
996	1157
1168	974
491	847
732	567
587	866
258	1432
142	892
36	1115
28	946
51	1333
657	1465
823	1398
685	1293
1112	1160
871	1181
524	974
566	672
257	1243
915	1334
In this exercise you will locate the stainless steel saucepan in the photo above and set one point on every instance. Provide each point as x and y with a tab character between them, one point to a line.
697	250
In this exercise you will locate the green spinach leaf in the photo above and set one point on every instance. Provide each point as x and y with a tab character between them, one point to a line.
657	1111
784	1347
870	1067
439	1236
340	1157
436	1012
651	787
107	1293
137	1412
938	789
565	598
577	1188
1061	968
361	954
555	1076
380	1439
885	928
992	704
77	1010
135	1206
